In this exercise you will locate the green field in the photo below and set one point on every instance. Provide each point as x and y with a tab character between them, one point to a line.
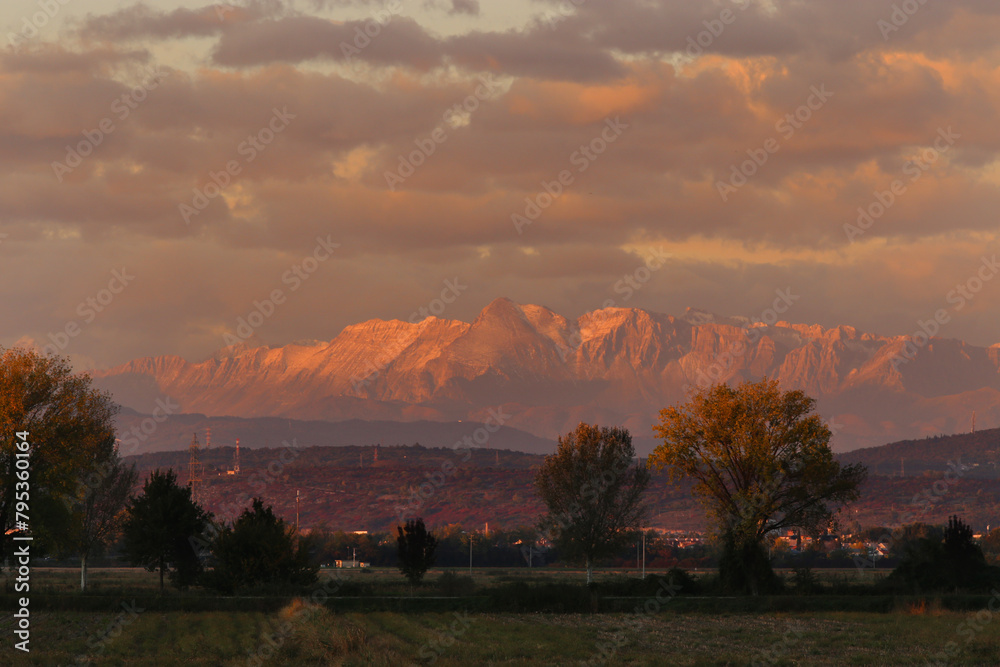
913	634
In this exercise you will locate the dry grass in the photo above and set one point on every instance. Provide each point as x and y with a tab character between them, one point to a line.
303	635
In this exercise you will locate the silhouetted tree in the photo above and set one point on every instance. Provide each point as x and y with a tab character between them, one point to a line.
949	562
160	529
259	548
68	425
99	508
760	463
416	549
593	491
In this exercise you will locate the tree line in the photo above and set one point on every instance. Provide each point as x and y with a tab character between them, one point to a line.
758	457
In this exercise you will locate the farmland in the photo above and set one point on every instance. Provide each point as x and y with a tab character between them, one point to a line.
913	631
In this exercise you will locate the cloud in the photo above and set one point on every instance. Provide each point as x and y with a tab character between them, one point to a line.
406	100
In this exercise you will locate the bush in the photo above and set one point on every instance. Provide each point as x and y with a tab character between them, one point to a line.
804	581
952	562
259	550
688	584
550	597
454	585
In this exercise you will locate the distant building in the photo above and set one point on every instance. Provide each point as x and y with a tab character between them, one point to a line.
350	563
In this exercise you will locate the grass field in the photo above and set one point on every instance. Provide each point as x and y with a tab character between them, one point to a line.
301	634
67	579
391	639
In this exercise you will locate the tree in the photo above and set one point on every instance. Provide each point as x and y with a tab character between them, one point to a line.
990	544
161	526
99	508
938	562
260	548
416	549
68	424
760	463
593	493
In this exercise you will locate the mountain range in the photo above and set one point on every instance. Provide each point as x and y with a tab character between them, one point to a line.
527	367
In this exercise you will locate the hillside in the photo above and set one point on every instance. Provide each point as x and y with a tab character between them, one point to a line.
548	373
174	433
980	451
346	488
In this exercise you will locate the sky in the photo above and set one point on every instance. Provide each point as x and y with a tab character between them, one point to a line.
177	176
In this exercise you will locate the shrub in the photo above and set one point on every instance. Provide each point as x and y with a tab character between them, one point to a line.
804	581
951	562
259	549
454	585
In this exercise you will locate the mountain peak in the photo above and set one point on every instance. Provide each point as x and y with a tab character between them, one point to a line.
615	365
698	316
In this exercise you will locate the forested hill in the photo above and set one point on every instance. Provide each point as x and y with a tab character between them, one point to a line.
980	451
346	488
218	460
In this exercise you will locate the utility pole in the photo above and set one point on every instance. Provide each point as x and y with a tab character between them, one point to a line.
643	553
296	510
470	554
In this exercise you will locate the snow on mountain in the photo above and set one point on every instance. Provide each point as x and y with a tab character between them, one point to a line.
613	365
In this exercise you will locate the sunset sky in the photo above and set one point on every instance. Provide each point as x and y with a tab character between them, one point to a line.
187	158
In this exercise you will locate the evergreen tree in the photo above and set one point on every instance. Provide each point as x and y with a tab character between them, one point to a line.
259	548
161	527
416	549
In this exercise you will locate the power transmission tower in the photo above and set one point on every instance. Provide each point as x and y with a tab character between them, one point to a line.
196	469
